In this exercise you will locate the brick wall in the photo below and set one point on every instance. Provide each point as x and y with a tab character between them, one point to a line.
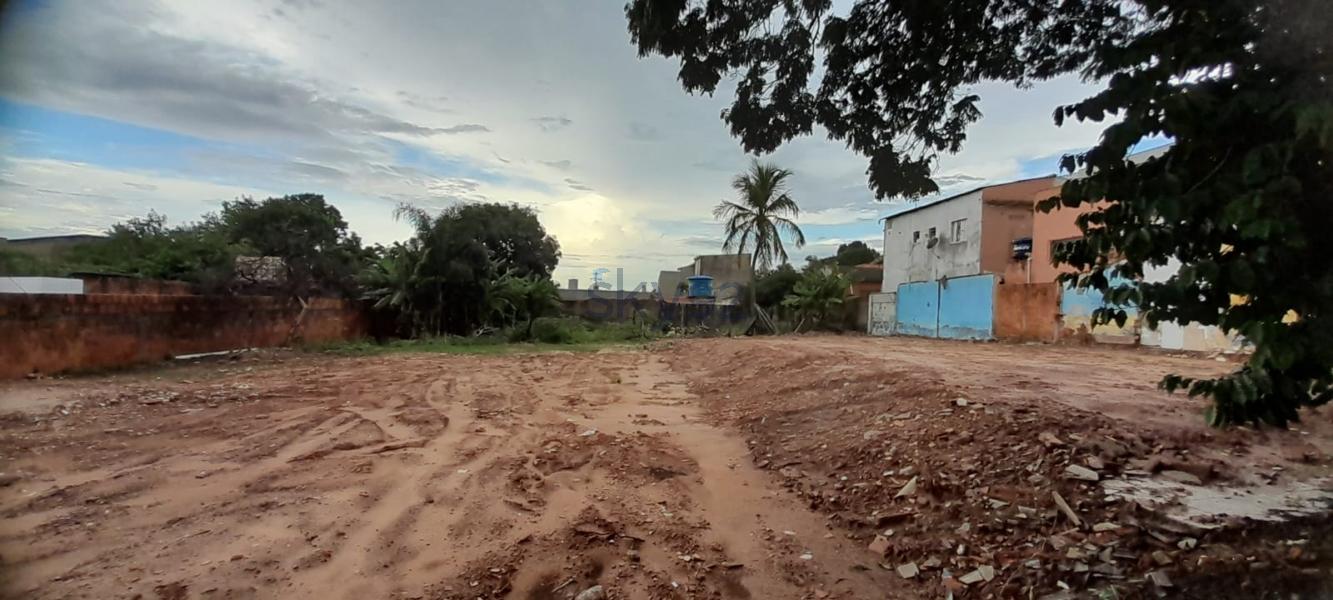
1027	311
53	333
113	284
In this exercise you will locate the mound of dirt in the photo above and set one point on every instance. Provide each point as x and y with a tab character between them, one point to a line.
956	479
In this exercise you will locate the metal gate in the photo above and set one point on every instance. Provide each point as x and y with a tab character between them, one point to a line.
961	308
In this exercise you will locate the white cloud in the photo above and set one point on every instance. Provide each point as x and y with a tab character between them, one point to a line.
544	104
40	195
842	215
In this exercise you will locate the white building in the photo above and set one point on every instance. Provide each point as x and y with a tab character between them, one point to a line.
964	234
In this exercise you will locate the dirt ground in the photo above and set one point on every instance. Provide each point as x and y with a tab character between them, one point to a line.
794	467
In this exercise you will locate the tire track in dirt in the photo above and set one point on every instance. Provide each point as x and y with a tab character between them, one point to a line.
531	476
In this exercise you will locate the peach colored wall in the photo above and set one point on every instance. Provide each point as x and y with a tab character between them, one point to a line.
1001	224
1006	215
54	333
1027	311
1050	227
1019	190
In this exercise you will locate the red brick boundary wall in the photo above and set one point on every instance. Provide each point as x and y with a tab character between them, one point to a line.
1027	312
54	333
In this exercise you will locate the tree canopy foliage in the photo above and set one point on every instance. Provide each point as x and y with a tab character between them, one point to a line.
313	253
817	297
318	254
854	253
772	286
450	276
199	253
1241	86
762	212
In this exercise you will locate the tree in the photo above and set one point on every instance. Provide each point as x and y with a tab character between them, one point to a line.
1241	86
526	299
17	262
855	253
146	247
818	295
773	286
391	282
762	213
309	235
464	250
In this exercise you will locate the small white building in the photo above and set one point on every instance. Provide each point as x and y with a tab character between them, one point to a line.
40	285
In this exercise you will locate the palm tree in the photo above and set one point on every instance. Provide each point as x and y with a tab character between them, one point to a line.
763	211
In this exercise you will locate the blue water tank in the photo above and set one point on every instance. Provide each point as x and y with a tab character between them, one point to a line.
701	286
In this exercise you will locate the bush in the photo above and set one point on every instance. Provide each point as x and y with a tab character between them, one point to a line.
557	330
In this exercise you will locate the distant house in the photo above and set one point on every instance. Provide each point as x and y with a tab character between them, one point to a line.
733	275
944	257
964	234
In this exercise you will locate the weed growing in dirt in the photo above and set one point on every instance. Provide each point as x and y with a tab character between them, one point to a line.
549	334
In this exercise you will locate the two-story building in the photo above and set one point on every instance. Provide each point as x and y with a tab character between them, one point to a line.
951	238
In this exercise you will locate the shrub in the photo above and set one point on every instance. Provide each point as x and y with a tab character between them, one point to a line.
557	330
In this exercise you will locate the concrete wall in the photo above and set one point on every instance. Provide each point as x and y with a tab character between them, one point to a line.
1076	308
1002	223
883	313
1047	229
695	314
918	309
732	275
669	281
609	306
1189	336
1027	312
906	260
1007	215
59	333
967	308
40	285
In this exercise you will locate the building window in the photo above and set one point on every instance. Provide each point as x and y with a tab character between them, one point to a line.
956	230
916	236
1058	245
931	236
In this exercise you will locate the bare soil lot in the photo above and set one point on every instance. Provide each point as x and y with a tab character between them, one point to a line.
796	467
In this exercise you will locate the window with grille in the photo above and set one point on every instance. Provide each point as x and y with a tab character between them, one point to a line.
956	230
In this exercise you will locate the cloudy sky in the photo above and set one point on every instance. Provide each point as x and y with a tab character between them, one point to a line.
111	108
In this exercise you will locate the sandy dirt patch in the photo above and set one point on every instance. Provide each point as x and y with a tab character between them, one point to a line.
719	468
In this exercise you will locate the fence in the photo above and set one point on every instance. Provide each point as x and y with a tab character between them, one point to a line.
977	308
55	333
960	308
1027	311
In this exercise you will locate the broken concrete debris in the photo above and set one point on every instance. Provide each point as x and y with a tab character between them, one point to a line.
880	545
593	593
1160	579
1181	477
1081	473
982	573
908	489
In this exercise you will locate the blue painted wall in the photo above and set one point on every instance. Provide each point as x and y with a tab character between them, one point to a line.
967	308
918	309
1076	308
